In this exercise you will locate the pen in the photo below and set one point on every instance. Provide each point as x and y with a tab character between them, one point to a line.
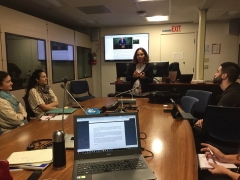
212	155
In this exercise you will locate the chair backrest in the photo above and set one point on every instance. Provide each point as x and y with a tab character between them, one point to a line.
79	87
223	123
187	103
173	75
200	106
174	66
29	111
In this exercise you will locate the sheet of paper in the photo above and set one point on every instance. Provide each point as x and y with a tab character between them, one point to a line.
35	156
203	163
50	118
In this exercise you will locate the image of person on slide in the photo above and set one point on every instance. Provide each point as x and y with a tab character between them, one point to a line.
122	42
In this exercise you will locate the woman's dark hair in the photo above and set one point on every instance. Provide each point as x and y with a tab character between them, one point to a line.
32	80
3	75
146	60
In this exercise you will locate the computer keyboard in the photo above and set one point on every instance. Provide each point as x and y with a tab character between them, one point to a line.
110	166
187	115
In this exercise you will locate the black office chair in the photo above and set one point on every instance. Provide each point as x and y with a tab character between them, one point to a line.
80	88
203	100
221	128
187	103
30	113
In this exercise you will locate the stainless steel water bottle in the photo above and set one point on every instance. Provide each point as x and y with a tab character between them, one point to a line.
58	150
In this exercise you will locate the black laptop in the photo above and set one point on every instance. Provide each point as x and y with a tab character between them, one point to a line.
107	146
186	78
176	114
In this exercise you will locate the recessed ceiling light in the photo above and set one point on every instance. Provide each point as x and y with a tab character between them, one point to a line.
157	18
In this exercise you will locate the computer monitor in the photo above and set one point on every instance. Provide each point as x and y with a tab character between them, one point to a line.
160	69
121	69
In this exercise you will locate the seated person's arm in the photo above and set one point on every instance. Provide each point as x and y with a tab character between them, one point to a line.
46	107
22	110
199	123
12	119
36	99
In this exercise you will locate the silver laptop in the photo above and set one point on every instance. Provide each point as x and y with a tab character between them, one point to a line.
107	146
69	141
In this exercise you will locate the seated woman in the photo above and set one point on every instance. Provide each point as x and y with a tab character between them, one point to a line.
140	73
12	113
218	169
40	97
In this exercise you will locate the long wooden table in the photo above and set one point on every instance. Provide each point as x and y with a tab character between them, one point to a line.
170	140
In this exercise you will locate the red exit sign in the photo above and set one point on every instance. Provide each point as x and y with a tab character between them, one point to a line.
176	28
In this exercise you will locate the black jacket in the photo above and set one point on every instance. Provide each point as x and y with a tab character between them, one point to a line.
231	96
148	70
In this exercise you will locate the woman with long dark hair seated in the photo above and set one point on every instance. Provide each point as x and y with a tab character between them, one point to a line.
12	113
41	98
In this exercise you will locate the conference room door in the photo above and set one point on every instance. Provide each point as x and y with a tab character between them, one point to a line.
179	48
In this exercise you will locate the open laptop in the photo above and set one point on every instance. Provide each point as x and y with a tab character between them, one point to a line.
176	114
186	78
111	139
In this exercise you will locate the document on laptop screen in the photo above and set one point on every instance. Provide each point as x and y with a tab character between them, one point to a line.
96	134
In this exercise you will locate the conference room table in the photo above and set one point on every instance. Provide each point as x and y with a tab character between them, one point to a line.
170	140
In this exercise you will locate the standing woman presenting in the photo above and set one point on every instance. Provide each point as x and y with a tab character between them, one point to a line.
40	96
140	73
12	113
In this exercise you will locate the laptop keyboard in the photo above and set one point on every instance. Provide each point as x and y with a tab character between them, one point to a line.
110	166
187	115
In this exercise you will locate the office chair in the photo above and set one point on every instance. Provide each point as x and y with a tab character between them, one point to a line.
221	128
203	100
30	113
187	103
80	88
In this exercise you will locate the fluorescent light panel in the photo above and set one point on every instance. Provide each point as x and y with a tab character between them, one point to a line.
157	18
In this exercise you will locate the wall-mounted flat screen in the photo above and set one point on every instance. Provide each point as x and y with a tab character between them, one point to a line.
123	47
61	51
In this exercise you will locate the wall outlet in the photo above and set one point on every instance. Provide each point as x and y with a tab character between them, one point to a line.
205	66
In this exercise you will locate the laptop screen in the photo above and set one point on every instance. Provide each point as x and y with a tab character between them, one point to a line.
105	133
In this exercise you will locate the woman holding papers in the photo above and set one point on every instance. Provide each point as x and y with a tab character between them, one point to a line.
216	155
12	113
41	98
140	73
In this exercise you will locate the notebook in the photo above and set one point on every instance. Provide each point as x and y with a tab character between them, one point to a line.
60	111
186	78
100	138
176	114
203	163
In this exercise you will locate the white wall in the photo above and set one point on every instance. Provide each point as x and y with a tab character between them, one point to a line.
218	33
15	22
215	33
